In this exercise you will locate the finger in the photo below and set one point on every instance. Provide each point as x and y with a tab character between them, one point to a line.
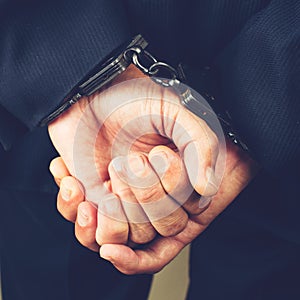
86	224
166	216
140	229
150	260
69	197
112	223
200	154
169	167
155	256
58	169
197	143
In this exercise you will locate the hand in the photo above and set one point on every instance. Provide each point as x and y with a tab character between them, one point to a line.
240	169
136	115
154	204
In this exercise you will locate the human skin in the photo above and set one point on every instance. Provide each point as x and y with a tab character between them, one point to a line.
116	233
134	115
239	171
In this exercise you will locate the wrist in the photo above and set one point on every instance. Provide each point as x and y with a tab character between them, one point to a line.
103	73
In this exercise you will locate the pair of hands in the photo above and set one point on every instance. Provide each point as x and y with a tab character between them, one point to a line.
141	160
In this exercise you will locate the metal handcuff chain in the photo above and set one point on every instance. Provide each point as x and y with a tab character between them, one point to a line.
136	55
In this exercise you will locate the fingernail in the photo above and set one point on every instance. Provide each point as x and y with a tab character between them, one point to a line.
134	163
135	166
65	193
212	183
118	163
82	217
52	169
160	162
204	201
105	255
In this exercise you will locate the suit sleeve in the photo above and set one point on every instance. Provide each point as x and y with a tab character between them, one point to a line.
46	48
260	85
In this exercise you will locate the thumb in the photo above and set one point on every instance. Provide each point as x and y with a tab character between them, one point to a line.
141	261
200	149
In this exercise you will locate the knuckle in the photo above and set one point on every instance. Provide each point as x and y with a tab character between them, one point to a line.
72	184
117	234
64	210
124	193
120	235
142	234
148	195
172	226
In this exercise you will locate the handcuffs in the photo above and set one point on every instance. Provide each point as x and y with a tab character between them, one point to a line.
134	52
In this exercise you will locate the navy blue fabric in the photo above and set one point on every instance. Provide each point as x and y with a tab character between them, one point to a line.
260	75
252	250
48	46
40	256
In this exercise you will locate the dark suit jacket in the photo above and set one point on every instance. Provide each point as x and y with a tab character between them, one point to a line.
253	50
